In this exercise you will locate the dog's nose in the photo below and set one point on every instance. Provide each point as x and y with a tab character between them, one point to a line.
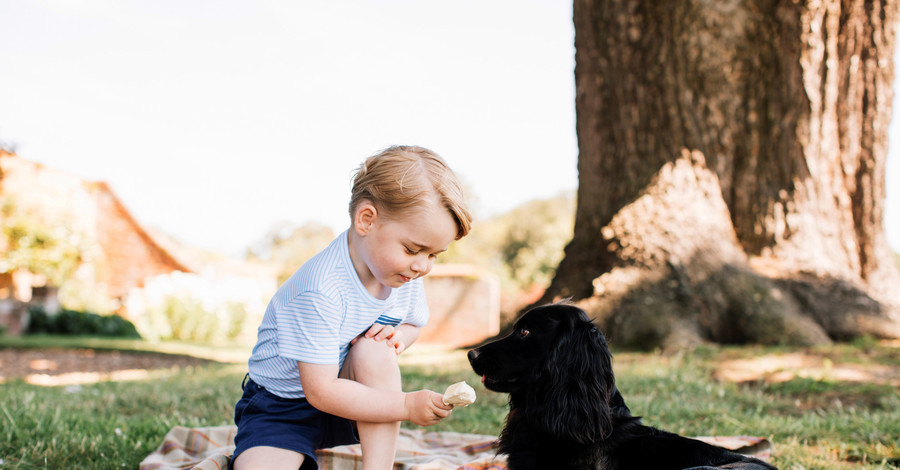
473	354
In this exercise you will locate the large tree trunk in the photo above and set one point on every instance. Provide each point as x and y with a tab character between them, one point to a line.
732	170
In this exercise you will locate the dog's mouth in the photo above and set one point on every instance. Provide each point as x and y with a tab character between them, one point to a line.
498	385
492	377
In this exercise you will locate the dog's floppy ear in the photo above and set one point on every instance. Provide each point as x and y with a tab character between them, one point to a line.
570	397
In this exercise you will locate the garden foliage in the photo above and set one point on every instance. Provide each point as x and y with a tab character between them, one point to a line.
71	322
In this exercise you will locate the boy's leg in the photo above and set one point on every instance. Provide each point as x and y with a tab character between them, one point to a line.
264	457
374	364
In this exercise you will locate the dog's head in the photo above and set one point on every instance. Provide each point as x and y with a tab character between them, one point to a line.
557	367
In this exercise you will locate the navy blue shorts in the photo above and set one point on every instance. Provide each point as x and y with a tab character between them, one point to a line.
265	419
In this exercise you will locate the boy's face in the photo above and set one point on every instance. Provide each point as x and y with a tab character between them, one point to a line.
399	249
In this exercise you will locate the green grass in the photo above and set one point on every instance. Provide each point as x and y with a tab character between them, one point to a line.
814	424
225	352
108	425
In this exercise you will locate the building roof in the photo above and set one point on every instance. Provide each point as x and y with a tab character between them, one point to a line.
115	249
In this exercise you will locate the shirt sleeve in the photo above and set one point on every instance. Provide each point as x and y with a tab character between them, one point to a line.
309	329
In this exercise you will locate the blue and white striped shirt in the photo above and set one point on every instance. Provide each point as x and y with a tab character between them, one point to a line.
316	313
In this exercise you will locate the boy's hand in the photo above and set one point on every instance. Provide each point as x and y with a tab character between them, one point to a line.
392	336
426	408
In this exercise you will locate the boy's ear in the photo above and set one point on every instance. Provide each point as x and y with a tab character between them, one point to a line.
366	215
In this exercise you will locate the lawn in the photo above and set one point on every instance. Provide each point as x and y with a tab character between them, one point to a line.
815	422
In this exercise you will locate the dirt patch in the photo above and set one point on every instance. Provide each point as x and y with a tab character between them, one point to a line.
784	367
820	380
78	366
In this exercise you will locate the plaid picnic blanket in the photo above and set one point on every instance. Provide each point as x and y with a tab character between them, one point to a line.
209	448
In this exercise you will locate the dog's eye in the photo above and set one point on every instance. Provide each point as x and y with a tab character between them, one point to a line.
523	332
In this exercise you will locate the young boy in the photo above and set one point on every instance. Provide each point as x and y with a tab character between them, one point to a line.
324	370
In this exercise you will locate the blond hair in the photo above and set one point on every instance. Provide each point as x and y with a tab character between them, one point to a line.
400	178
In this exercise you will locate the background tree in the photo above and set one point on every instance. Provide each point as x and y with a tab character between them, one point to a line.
290	246
523	246
732	169
28	243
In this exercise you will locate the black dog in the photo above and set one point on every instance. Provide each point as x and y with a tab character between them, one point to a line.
564	409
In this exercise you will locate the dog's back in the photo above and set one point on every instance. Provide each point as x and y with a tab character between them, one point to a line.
633	445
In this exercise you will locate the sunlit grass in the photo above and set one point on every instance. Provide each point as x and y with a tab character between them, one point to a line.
112	424
223	352
813	424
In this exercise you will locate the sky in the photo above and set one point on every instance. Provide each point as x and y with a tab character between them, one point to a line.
214	120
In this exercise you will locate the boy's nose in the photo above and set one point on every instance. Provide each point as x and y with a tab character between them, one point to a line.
422	266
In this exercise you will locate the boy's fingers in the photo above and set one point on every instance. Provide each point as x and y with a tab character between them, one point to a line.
376	332
386	332
438	402
395	338
441	413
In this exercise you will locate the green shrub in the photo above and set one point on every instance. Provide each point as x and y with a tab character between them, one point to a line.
185	318
71	322
189	307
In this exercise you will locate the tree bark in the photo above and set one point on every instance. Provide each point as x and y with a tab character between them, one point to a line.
781	106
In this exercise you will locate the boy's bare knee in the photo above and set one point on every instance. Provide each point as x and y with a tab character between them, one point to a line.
372	363
265	457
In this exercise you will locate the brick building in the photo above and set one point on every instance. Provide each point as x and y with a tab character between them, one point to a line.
115	252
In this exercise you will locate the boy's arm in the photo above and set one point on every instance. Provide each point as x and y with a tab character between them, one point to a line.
355	401
408	335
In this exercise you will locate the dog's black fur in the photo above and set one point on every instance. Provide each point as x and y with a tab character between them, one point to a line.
565	410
